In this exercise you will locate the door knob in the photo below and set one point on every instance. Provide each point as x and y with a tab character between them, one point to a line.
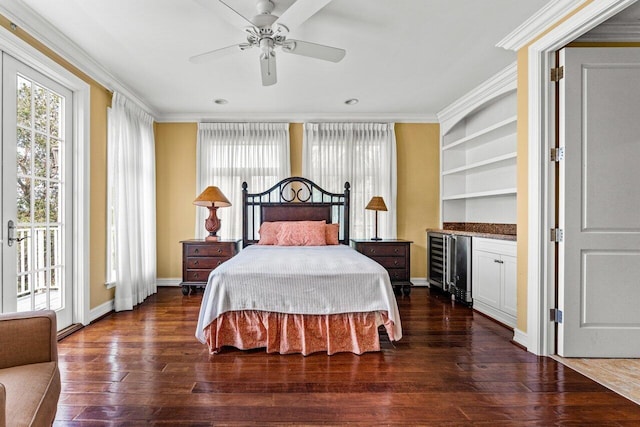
11	232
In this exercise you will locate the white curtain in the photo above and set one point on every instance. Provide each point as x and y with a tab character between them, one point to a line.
132	177
364	154
231	153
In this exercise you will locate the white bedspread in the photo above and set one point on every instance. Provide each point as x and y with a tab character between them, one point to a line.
298	280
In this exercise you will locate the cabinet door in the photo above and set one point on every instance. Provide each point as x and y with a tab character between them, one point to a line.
486	278
510	285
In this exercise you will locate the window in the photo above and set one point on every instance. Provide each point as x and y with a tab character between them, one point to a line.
232	153
364	154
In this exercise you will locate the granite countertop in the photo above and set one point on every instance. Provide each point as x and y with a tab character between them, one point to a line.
487	230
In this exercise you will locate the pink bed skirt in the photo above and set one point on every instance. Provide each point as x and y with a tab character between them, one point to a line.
297	333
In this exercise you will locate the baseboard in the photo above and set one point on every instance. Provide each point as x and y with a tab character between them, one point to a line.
169	281
419	281
101	310
520	337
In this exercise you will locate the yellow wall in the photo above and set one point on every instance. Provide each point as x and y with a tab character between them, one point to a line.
100	101
295	148
175	191
523	159
418	151
418	188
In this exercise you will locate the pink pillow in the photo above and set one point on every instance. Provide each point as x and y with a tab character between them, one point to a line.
332	235
269	233
302	233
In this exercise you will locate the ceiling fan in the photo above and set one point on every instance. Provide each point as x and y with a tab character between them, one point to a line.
268	32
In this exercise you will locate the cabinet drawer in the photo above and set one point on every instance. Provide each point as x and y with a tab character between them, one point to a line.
390	261
374	250
398	274
197	276
210	250
202	262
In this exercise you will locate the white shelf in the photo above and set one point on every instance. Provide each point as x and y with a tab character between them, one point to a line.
490	133
488	162
491	193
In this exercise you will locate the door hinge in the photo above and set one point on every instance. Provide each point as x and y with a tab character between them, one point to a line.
557	235
556	154
555	315
557	74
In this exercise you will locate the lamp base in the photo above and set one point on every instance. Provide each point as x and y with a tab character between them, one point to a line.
212	225
376	238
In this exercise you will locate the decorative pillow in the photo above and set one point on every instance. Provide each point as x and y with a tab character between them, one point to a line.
302	233
269	233
332	234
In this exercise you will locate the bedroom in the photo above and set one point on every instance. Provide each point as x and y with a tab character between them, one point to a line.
176	154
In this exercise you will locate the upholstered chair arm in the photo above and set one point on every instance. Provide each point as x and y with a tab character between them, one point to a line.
3	406
28	337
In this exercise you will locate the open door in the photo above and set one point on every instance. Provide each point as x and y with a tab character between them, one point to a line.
599	203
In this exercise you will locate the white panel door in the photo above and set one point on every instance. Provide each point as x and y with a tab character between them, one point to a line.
36	192
599	203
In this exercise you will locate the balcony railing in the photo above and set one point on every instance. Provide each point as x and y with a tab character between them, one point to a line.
39	260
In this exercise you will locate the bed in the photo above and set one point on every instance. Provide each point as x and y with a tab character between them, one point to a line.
297	286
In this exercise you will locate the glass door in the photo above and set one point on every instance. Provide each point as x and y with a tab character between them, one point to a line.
36	184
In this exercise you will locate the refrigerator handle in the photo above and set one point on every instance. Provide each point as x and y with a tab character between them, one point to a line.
454	261
447	262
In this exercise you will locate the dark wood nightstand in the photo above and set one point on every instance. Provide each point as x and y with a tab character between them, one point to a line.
394	255
199	258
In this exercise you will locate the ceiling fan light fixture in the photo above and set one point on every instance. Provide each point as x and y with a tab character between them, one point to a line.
352	101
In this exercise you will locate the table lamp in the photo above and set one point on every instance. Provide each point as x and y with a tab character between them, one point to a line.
376	204
213	199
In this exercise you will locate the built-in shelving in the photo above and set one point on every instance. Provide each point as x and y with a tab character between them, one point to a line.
488	163
478	163
490	193
491	133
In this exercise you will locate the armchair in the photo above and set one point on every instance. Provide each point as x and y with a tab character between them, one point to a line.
29	375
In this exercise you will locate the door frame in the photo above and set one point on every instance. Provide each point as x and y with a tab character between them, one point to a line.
541	195
32	57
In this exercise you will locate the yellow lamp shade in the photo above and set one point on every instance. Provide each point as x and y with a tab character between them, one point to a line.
376	204
212	196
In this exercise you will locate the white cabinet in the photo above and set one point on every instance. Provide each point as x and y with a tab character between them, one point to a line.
478	154
494	286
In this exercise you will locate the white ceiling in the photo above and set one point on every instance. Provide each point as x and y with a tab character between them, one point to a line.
406	59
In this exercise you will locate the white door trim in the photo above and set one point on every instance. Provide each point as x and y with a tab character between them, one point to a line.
540	289
30	56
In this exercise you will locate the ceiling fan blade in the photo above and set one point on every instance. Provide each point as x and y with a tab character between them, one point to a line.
299	12
314	50
268	69
218	53
226	12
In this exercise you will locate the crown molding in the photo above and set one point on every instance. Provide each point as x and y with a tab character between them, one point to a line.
537	23
27	19
501	83
613	32
297	117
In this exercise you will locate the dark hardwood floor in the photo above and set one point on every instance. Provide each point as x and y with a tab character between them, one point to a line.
452	367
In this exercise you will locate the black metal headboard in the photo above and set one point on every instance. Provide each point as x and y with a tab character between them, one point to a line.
294	199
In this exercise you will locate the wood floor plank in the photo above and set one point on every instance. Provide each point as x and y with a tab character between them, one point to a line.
453	367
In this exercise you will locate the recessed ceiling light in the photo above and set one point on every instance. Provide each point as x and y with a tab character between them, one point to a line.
220	101
352	101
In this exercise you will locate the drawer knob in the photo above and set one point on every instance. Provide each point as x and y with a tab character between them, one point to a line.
196	263
395	262
219	262
395	250
196	250
372	250
219	250
195	276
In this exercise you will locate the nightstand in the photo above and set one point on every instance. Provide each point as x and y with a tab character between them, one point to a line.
199	258
394	255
